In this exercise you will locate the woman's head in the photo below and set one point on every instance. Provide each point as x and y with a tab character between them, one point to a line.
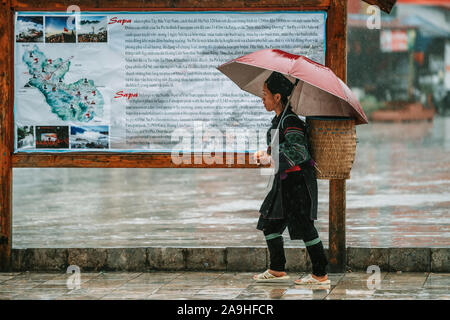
279	87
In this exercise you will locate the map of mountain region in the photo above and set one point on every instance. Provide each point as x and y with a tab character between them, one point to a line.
78	101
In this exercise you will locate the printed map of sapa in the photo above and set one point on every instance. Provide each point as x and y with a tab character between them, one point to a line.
78	101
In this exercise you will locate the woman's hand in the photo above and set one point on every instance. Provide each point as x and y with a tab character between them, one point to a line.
257	156
261	157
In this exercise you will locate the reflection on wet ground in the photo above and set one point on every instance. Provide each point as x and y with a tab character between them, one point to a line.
220	286
398	196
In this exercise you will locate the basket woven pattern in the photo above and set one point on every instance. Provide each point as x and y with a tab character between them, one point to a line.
333	147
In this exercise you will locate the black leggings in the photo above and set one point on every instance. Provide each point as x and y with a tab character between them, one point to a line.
273	233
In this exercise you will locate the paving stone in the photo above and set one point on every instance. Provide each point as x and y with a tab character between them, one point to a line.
264	291
133	290
154	278
350	294
130	296
335	278
165	258
126	259
174	296
359	259
85	293
413	294
440	259
238	276
353	285
225	291
41	259
401	276
205	259
221	284
188	285
36	276
5	276
405	280
107	285
80	297
438	281
301	293
87	259
62	278
14	288
199	276
41	294
148	287
223	294
192	280
116	275
359	281
363	283
409	259
9	295
245	259
25	285
175	292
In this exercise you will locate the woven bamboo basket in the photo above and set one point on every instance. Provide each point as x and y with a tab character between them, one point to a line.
333	146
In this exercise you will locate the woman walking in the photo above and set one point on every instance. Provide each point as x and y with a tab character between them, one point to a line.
292	200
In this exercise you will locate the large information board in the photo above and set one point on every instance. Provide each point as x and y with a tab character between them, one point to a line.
134	81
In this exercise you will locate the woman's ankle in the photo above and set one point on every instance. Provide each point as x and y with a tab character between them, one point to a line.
320	278
277	273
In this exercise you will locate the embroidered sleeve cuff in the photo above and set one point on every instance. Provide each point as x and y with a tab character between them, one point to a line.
284	163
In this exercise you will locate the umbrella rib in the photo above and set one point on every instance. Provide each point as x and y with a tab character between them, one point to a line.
256	79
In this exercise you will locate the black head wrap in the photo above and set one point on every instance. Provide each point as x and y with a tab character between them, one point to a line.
277	83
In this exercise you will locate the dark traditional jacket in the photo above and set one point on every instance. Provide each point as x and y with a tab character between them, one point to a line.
295	193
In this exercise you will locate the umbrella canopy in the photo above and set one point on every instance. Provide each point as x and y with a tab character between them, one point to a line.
319	91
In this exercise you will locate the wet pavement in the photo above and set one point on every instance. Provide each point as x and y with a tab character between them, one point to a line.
219	286
398	196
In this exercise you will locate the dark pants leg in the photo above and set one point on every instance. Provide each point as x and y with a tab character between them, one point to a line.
318	259
315	249
274	239
299	204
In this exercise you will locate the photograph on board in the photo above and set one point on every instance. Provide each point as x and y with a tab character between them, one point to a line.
92	29
89	137
25	137
52	137
30	29
60	29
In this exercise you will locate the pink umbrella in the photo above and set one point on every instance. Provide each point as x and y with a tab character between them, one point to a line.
319	91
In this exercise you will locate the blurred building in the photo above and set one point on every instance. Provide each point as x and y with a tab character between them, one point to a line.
406	58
